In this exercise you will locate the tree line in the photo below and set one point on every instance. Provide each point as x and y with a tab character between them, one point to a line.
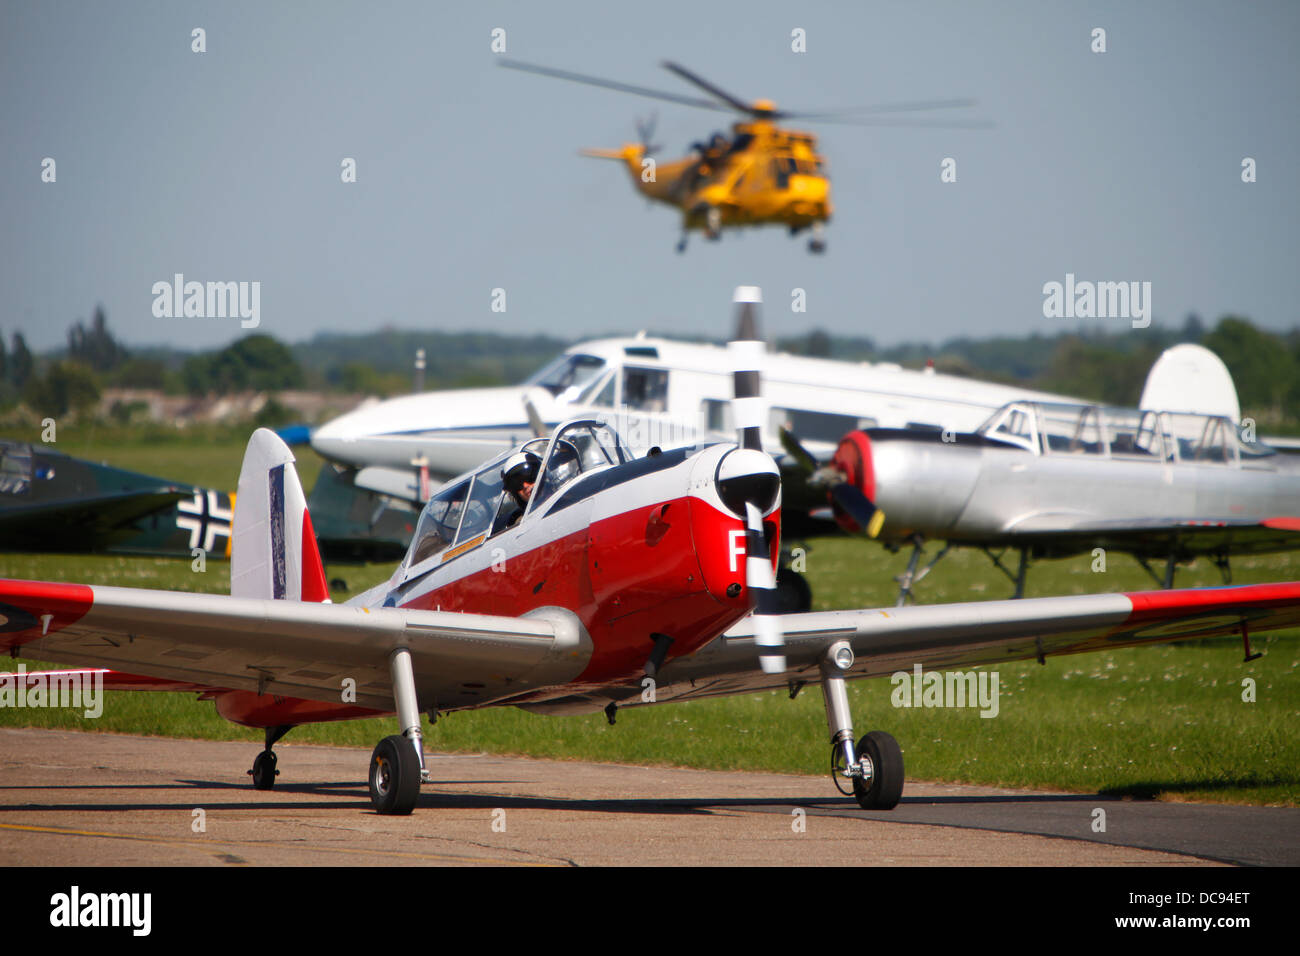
1094	364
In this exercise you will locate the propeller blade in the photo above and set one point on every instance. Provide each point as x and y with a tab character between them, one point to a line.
747	352
611	84
797	451
747	409
859	507
761	582
535	422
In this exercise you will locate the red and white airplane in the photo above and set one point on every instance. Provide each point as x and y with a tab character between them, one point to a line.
616	570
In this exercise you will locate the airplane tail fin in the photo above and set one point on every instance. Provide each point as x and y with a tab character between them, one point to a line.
274	552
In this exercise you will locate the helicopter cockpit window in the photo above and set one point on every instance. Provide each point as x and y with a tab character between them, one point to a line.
567	376
645	389
15	468
438	522
781	169
741	142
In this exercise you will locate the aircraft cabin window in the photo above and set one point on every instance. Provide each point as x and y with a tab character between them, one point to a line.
438	523
717	415
645	389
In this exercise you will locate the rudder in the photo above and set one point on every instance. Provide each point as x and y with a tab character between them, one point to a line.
274	552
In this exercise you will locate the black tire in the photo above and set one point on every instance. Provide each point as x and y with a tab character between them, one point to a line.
793	595
264	771
394	776
886	786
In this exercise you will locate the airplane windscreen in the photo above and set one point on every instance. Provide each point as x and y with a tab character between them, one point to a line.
568	375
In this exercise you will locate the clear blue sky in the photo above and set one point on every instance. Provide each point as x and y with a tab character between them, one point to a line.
225	165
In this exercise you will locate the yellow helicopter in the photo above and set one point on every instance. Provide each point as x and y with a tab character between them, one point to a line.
763	174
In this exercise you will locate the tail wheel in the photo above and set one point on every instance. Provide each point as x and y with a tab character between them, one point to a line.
886	786
394	776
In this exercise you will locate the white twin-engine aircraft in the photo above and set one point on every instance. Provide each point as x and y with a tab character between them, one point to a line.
664	392
560	577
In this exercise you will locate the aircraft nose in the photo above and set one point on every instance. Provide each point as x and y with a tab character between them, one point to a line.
747	475
854	500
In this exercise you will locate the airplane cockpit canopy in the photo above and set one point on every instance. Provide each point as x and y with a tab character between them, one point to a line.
1045	428
468	510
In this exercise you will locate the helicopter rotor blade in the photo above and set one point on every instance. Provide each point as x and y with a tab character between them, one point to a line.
917	123
913	107
734	102
611	84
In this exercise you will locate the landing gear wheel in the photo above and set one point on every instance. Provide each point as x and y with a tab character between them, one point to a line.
394	776
817	246
793	595
264	772
886	787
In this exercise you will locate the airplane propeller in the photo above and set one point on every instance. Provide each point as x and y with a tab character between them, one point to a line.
756	481
844	479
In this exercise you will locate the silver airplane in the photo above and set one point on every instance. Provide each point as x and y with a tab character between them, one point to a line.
1057	479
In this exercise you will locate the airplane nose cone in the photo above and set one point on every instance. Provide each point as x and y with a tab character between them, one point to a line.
746	475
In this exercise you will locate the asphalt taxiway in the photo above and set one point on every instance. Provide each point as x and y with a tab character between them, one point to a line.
75	799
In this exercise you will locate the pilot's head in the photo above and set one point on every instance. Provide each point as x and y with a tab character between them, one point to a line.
519	474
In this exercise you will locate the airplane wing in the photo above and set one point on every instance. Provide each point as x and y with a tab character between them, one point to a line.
948	636
290	648
1156	538
95	519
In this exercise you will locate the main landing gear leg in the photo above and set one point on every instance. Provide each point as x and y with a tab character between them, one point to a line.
875	766
1019	577
912	576
264	772
397	764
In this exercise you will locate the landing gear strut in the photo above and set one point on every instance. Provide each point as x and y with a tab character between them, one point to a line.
875	766
264	772
397	764
912	576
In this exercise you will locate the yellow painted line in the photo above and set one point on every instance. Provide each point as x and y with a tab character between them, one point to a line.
469	545
207	846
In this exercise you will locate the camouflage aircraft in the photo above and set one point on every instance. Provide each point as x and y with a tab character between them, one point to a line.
50	501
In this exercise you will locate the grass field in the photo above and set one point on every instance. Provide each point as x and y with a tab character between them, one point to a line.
1165	721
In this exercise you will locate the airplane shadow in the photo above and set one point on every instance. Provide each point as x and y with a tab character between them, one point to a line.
353	794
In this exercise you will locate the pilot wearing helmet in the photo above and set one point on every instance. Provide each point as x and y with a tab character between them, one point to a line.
519	475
